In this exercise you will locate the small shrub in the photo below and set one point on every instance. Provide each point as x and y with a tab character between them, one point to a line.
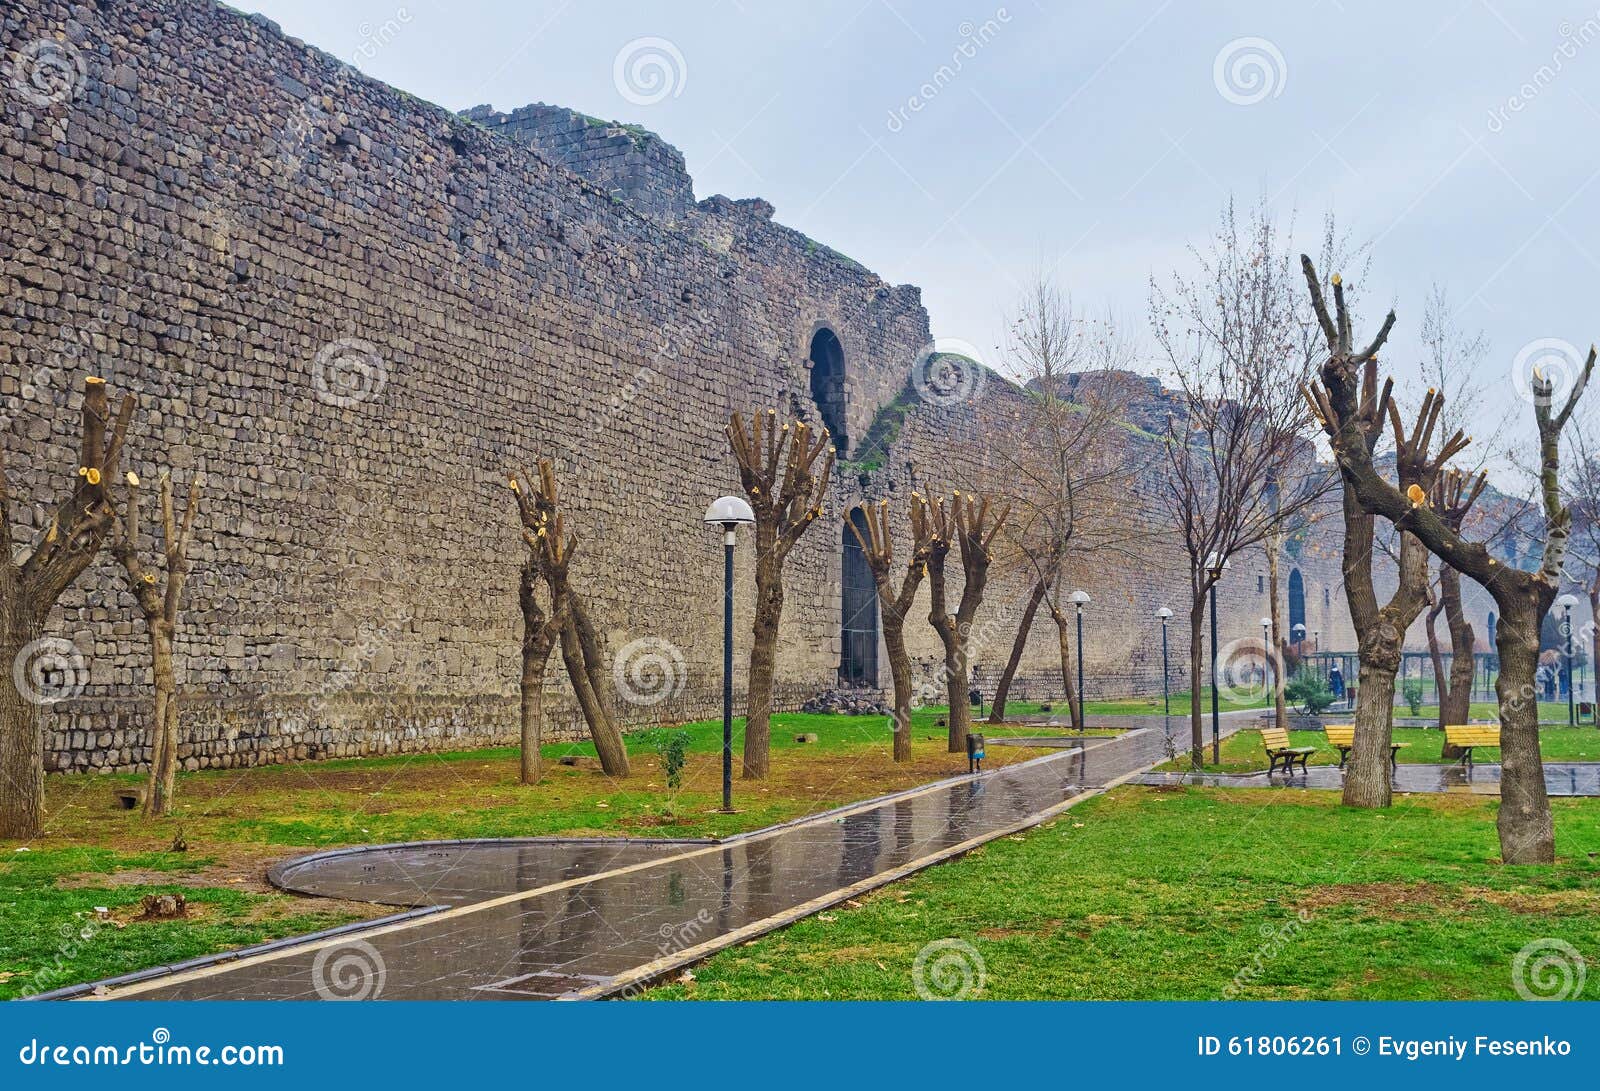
674	755
1309	690
1412	690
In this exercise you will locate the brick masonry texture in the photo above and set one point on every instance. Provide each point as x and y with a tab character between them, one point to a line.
220	217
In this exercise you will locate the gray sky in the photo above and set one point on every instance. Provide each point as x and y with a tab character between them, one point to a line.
1458	138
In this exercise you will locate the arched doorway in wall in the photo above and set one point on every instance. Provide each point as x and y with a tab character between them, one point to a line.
1297	602
827	383
858	627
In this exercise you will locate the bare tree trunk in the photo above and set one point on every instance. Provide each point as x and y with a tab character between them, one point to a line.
763	663
1527	835
958	682
894	639
1441	683
608	742
21	736
997	714
1456	708
164	725
1197	737
532	716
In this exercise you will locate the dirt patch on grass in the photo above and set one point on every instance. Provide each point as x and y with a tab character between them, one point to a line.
244	868
1383	896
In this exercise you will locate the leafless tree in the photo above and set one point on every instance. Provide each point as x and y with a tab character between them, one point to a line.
551	548
970	523
1059	458
895	602
30	588
1381	629
777	467
547	562
160	595
1527	835
1239	463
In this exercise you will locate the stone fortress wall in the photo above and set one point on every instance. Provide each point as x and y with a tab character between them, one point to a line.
232	225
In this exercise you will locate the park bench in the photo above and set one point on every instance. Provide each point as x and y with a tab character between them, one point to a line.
1467	736
1276	742
1342	737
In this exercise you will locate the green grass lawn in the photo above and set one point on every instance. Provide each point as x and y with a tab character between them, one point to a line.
1242	752
1201	893
236	821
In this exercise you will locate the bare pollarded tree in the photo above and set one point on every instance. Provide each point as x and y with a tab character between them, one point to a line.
970	523
1454	495
549	554
30	588
1381	629
1239	461
778	470
160	598
895	601
1527	835
544	527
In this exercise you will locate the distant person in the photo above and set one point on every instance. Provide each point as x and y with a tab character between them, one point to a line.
1336	682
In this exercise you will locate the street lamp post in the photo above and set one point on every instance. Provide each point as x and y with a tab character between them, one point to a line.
1566	603
1216	564
1080	599
1266	649
730	512
1166	694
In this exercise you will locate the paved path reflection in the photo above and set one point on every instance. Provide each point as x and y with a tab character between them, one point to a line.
528	923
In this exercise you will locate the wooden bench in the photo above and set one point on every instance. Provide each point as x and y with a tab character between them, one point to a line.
1342	737
1467	736
1276	742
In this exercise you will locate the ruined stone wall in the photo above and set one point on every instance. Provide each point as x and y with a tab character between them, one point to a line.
356	311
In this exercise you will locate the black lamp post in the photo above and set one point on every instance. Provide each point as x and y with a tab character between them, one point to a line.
731	512
1166	694
1566	603
1080	599
1216	564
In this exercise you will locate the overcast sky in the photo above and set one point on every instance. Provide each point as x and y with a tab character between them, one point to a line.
961	146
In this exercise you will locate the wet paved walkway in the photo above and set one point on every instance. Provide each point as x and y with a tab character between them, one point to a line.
528	920
1561	778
